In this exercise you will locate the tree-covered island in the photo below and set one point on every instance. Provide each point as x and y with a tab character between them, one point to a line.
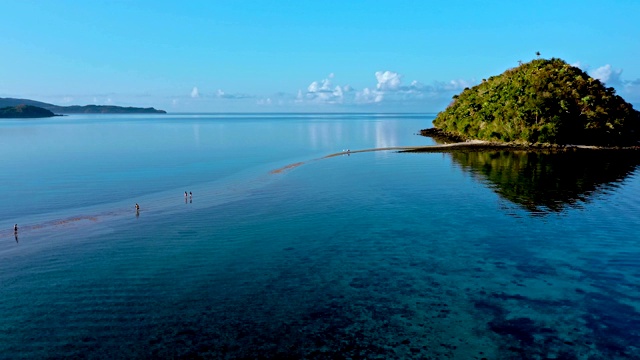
80	109
25	111
541	102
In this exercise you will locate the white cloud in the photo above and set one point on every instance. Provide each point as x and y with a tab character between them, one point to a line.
322	92
388	80
386	91
313	87
337	92
368	96
416	84
326	85
389	89
266	101
223	95
322	86
607	75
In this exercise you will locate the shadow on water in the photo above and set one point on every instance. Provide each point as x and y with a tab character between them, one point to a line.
546	182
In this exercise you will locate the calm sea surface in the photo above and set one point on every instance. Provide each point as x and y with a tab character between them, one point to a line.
282	253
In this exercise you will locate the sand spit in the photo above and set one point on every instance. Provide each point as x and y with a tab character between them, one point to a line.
464	145
472	143
75	220
285	168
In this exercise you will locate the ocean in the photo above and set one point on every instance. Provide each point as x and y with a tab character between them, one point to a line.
283	252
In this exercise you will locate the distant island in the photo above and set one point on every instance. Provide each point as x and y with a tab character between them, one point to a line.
77	109
25	111
540	102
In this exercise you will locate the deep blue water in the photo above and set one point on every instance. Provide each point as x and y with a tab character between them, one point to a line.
488	254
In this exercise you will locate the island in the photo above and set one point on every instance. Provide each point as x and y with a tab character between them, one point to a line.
25	111
78	109
542	102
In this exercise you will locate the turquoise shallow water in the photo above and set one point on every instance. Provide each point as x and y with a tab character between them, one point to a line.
370	255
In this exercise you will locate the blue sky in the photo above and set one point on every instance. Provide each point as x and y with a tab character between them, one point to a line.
219	56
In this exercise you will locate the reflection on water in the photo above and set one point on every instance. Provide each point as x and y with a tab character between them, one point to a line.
334	135
543	182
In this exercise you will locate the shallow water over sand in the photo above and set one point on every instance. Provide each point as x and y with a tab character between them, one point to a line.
374	255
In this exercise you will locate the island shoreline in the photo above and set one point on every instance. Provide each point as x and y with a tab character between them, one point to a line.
457	142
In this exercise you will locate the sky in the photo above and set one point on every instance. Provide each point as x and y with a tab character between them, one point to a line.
301	56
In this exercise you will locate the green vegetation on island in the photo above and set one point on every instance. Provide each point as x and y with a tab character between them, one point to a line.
107	109
24	111
542	102
77	109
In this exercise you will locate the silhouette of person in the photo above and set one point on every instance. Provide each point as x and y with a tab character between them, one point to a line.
15	228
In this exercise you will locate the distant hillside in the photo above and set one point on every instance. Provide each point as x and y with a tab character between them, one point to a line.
24	111
77	109
543	101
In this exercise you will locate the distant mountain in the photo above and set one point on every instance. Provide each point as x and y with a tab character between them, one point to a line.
77	109
24	111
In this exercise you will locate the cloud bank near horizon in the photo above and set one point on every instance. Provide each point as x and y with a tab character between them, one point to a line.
387	91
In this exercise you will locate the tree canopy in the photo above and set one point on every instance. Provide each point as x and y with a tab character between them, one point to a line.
542	101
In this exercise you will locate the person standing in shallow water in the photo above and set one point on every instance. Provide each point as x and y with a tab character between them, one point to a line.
15	228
